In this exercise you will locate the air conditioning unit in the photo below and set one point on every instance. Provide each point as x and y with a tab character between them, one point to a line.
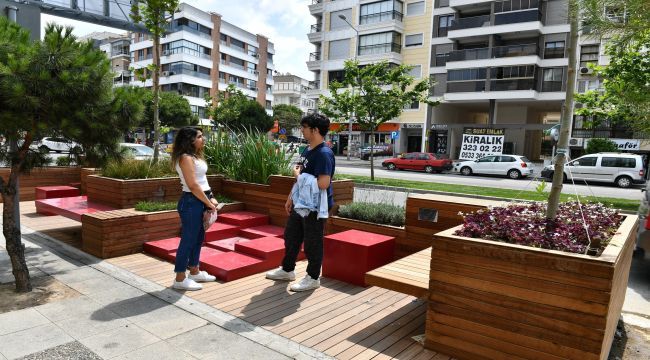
577	142
256	72
166	52
166	73
256	55
586	70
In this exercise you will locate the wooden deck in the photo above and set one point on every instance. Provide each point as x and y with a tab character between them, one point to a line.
339	319
408	275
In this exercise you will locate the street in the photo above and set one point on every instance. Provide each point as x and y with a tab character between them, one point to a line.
362	168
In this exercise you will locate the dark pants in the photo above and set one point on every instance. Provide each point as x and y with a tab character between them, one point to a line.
310	231
190	210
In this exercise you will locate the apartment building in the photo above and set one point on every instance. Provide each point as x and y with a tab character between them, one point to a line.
292	90
116	47
203	54
370	31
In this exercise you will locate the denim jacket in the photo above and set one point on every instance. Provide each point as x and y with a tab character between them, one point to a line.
307	197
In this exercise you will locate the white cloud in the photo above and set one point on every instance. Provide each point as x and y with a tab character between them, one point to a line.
284	22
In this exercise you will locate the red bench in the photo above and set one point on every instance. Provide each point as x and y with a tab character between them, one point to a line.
70	207
348	255
53	192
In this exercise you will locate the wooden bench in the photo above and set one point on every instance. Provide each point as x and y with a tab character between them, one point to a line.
408	275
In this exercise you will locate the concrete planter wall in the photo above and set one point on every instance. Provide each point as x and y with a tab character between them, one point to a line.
493	300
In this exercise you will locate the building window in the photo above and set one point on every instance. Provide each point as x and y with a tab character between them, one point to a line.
380	43
413	40
513	72
467	74
412	106
237	63
186	47
589	54
515	5
587	85
416	71
554	50
269	106
381	11
252	50
222	77
237	44
415	8
552	79
444	22
336	75
336	22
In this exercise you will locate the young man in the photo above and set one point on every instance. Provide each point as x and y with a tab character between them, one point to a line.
317	160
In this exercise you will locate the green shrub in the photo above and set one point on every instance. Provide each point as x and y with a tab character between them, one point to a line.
138	169
151	206
65	161
247	156
386	214
223	199
601	145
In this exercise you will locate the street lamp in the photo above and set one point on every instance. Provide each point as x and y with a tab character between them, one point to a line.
342	17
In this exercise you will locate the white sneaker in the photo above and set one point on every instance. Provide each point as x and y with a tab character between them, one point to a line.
305	284
202	276
187	284
279	274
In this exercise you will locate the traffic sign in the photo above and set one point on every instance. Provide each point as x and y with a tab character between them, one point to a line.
394	135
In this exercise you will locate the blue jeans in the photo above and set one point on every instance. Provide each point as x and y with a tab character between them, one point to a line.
190	210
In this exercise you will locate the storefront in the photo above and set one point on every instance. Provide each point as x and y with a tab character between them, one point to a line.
360	138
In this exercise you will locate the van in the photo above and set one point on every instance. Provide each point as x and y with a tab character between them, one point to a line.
618	168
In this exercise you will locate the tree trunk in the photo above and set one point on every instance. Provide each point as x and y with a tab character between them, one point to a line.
11	229
372	154
567	115
156	96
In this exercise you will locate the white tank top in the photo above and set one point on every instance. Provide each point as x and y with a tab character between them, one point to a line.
200	170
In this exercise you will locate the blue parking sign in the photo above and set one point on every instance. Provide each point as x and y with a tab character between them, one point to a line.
394	135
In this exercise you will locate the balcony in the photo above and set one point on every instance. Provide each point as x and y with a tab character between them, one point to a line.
190	30
466	86
441	59
551	86
470	22
512	84
380	17
315	33
315	28
380	49
469	54
515	50
515	17
315	56
316	7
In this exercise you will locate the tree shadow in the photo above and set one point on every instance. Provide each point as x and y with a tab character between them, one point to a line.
138	305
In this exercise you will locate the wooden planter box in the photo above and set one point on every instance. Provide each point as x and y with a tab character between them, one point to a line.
46	176
270	199
115	233
123	194
492	300
85	172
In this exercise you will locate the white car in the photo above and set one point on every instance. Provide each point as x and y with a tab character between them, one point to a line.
141	152
58	144
512	166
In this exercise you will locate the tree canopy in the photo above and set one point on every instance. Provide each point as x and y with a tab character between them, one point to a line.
288	116
375	93
174	110
236	111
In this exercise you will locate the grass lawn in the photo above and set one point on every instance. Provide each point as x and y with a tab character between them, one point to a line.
623	204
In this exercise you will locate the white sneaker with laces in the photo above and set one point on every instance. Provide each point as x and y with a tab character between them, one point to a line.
305	284
187	284
202	276
279	274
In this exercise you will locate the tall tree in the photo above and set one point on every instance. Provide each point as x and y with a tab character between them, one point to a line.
49	87
237	112
624	21
567	113
174	111
384	91
155	16
288	116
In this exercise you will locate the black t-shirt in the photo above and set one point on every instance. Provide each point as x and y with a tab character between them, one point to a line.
320	161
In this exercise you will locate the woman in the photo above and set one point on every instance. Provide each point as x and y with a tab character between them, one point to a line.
187	158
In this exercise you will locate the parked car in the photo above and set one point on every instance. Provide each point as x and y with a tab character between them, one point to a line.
418	161
512	166
57	144
377	150
141	152
618	168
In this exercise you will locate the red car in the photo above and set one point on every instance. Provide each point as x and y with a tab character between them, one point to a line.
418	161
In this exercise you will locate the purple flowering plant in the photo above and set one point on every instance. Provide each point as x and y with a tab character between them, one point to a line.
526	224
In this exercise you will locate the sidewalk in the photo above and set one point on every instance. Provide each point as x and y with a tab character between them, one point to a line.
114	314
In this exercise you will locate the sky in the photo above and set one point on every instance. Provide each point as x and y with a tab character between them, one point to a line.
285	22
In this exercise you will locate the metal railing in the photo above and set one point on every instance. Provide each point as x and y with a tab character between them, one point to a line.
315	28
512	84
315	56
515	50
314	2
517	16
469	54
470	22
466	86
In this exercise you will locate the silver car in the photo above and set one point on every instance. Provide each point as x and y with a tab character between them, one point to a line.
617	168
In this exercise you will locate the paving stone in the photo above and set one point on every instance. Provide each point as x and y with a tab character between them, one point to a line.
132	308
122	340
79	275
32	340
168	321
98	284
91	324
20	320
110	296
213	342
159	351
68	308
70	351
